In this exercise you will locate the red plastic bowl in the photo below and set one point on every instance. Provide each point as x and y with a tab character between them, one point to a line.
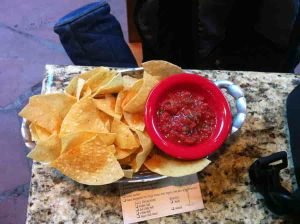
217	102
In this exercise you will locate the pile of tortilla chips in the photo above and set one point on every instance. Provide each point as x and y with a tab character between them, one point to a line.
94	132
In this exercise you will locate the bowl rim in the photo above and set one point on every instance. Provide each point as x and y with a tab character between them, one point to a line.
183	151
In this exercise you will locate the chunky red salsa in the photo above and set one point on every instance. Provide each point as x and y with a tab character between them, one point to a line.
185	117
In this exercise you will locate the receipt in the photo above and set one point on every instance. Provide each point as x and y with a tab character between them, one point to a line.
149	200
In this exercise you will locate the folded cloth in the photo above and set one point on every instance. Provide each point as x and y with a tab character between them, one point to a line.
92	36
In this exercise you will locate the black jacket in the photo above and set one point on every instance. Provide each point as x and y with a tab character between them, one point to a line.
221	34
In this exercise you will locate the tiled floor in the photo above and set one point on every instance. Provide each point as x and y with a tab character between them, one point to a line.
27	43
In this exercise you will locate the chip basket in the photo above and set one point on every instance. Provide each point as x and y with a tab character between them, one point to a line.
57	78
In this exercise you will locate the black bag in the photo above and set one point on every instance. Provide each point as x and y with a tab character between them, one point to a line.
92	36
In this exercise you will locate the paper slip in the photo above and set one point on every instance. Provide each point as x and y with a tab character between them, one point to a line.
149	200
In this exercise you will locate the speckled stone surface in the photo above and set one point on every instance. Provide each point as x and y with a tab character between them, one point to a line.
227	194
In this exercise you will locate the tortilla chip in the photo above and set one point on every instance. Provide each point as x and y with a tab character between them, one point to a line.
101	76
46	150
127	161
34	135
80	84
128	81
137	102
38	133
84	116
74	139
112	86
107	125
88	74
160	68
125	139
135	121
86	93
91	163
118	107
72	87
107	105
106	119
132	92
107	138
168	166
57	102
147	146
47	111
123	153
41	116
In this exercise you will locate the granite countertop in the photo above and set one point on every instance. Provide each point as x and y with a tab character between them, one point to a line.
227	194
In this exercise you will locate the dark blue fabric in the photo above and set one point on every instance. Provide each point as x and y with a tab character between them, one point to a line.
92	36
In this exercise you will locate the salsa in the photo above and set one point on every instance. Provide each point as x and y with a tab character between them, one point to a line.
185	117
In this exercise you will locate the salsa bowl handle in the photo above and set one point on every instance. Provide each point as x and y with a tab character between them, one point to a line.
240	103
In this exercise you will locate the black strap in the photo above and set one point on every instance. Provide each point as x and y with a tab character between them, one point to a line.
264	176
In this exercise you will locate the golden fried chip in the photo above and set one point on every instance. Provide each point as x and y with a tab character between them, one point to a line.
137	102
123	153
46	150
127	161
118	107
74	139
107	124
106	119
33	132
162	69
91	163
38	133
57	102
112	86
84	116
147	146
128	81
100	77
86	93
43	117
88	74
107	138
107	105
135	121
132	92
47	111
76	88
80	84
72	87
125	139
168	166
